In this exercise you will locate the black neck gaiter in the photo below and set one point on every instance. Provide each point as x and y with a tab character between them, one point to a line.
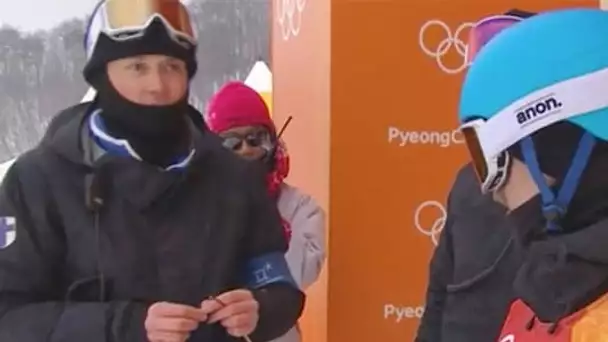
159	134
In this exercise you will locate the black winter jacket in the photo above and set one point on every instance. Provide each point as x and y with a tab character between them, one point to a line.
471	273
98	241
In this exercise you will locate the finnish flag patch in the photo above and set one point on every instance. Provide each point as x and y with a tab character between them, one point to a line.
8	232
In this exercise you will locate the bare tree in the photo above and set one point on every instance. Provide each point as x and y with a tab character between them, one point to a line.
41	72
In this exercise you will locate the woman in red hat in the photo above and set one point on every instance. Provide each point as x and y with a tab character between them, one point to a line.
240	117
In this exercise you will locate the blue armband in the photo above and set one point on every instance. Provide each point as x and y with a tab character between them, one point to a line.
268	269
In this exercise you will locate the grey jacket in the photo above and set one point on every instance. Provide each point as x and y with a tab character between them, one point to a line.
306	253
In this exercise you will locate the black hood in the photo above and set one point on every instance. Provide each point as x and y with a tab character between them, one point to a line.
64	133
565	272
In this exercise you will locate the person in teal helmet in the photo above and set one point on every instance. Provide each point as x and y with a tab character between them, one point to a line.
534	113
472	265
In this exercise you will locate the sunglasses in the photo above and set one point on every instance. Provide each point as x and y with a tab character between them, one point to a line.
236	142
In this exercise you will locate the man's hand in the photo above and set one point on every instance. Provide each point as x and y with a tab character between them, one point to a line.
168	322
236	310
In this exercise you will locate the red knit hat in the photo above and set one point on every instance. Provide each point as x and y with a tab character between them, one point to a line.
235	105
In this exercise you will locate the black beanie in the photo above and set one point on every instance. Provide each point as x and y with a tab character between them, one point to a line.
156	40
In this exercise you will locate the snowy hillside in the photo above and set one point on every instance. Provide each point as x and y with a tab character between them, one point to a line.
40	73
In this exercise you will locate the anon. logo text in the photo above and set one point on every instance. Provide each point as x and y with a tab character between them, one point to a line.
539	108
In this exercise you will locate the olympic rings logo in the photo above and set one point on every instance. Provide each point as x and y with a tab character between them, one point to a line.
289	17
449	40
434	230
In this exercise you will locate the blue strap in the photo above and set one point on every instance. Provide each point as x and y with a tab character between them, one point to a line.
555	208
268	269
531	160
579	162
87	31
551	210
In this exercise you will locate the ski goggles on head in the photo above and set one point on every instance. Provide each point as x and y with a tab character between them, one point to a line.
484	30
568	100
123	20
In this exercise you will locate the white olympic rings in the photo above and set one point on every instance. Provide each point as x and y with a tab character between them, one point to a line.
455	40
434	231
289	17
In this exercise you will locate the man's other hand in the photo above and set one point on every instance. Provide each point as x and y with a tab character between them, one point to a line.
236	310
168	322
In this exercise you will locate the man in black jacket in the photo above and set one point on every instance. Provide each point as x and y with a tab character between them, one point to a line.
471	272
127	222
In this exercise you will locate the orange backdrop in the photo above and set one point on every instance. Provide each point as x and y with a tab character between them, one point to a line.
300	57
373	86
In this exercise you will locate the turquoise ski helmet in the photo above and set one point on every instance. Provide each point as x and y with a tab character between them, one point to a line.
536	53
546	69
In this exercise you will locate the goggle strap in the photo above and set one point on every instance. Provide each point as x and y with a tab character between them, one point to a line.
90	21
577	167
531	161
551	210
555	208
